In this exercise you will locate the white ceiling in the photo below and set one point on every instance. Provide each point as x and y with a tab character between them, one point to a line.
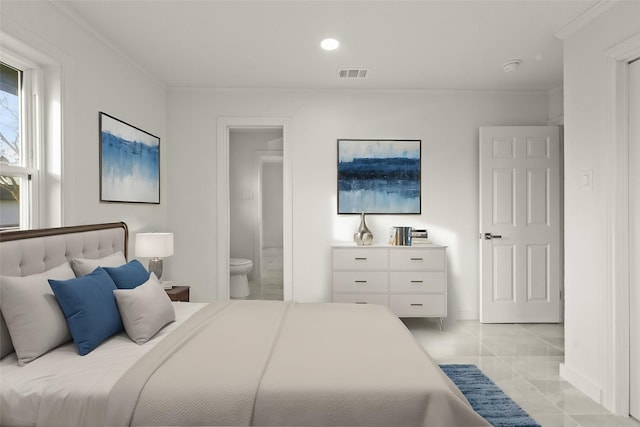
275	44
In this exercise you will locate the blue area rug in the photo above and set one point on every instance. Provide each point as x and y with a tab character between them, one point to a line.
486	398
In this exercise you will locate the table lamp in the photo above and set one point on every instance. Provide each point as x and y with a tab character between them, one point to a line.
154	246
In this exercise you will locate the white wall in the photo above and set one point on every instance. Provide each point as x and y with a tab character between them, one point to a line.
94	78
446	122
588	147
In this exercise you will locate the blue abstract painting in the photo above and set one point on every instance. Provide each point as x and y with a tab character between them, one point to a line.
129	163
379	176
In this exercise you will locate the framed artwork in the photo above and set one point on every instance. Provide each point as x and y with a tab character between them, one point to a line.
379	176
129	163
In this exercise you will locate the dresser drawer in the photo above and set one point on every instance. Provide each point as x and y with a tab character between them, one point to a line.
360	281
411	281
362	299
417	259
417	281
360	259
418	305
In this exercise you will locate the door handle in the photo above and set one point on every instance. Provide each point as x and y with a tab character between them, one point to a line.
489	236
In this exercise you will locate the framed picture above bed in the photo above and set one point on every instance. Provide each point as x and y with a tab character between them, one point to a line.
129	163
379	176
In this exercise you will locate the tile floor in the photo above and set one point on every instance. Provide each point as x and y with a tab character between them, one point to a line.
272	277
523	360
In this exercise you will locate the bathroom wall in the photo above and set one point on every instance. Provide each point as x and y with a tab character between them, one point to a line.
272	198
243	208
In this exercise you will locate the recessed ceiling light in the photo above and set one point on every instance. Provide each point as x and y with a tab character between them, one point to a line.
329	44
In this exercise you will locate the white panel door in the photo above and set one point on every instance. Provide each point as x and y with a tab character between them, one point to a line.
634	237
519	224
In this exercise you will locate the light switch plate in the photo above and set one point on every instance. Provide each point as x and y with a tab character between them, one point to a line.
586	179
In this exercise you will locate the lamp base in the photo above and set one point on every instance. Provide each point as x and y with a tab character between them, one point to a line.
155	267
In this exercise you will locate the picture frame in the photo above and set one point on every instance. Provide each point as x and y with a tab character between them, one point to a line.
129	163
379	176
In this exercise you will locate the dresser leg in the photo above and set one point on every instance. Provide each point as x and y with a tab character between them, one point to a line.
441	320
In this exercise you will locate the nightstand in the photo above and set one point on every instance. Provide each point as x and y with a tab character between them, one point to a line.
178	293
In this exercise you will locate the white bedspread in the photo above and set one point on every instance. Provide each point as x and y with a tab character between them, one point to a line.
61	387
287	364
243	363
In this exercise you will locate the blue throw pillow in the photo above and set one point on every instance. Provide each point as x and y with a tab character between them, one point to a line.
90	308
128	276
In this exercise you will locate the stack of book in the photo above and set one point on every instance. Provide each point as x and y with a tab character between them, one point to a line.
419	237
400	236
408	236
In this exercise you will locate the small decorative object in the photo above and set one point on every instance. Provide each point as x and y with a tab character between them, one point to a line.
129	163
154	246
364	236
379	176
419	237
400	236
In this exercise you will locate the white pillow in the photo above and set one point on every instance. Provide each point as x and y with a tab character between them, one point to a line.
6	346
30	309
84	266
144	309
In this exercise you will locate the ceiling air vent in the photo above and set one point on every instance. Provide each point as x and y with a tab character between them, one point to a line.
352	73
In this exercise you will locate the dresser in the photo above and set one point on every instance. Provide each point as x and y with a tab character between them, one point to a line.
411	280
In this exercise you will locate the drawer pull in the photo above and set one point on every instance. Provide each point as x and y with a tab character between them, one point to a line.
360	281
416	305
361	302
417	259
360	258
417	281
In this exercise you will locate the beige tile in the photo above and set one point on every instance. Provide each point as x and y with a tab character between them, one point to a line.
485	330
520	346
455	347
568	398
556	342
530	399
556	421
492	367
605	421
459	360
545	330
534	367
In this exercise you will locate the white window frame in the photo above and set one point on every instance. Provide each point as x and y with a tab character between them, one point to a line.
31	150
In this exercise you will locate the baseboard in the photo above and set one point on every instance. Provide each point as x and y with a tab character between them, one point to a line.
582	383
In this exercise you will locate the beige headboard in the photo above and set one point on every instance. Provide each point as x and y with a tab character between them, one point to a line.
28	252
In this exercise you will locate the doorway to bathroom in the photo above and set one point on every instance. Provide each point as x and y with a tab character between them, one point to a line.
256	207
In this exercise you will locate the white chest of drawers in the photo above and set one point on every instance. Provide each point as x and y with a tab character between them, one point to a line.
411	280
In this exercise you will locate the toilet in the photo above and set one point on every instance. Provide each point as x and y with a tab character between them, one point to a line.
239	283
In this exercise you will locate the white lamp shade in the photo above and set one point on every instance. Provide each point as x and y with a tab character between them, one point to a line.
154	245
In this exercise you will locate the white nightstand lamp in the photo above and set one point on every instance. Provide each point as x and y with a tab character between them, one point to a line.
154	246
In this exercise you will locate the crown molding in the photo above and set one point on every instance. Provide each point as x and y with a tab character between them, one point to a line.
582	20
73	15
628	50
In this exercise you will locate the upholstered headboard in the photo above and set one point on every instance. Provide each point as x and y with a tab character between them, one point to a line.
27	252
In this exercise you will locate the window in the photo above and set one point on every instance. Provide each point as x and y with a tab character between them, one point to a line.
19	145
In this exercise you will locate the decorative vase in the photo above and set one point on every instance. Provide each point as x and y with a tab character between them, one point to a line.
364	236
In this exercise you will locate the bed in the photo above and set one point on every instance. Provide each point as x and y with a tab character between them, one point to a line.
221	363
